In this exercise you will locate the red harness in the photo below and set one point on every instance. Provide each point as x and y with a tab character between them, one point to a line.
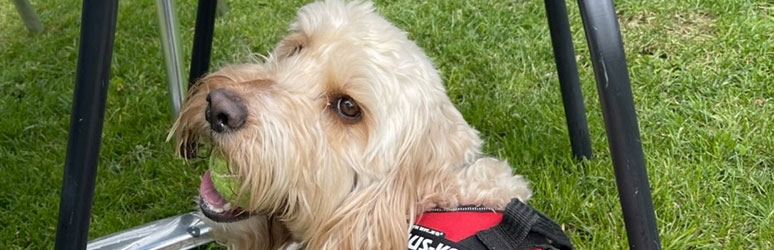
518	227
458	225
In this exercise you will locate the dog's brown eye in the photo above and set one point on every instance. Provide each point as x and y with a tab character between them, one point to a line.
347	108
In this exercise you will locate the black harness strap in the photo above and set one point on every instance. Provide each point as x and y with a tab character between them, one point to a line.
523	227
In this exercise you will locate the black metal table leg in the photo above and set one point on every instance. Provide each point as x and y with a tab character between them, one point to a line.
567	69
98	22
615	94
202	47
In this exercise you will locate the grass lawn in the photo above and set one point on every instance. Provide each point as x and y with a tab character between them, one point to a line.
702	75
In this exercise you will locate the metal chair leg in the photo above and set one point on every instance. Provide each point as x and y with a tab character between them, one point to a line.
202	47
28	16
574	110
615	94
98	23
173	57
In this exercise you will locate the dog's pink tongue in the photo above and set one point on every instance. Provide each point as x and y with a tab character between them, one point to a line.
209	194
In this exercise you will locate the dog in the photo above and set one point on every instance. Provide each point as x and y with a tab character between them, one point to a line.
342	138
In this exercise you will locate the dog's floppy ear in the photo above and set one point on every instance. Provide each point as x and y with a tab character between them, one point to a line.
444	141
453	141
445	146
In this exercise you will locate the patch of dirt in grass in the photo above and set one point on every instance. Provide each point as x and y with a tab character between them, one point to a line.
693	26
687	25
760	102
658	35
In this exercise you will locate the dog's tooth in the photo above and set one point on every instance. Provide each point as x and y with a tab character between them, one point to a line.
214	209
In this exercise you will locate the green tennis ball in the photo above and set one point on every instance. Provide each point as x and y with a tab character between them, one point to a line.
225	183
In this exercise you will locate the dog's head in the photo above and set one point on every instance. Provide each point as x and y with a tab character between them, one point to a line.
345	112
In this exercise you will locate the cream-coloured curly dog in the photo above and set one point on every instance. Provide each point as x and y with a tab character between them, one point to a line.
338	140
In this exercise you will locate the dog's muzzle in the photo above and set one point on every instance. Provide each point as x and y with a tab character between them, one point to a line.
225	111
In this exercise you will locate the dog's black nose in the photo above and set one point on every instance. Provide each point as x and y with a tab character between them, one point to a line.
225	110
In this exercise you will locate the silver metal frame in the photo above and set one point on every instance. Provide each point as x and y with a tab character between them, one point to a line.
183	231
173	57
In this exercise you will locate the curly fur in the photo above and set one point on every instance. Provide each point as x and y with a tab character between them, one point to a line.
319	182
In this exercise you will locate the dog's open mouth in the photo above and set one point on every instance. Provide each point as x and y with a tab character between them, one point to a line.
214	206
